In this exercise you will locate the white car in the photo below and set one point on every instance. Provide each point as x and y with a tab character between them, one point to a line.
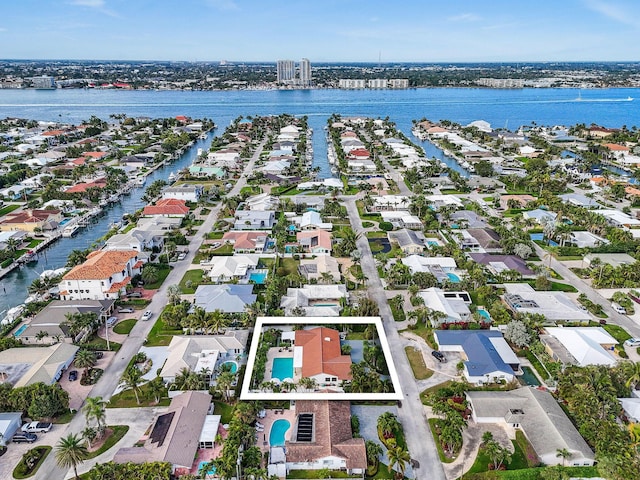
36	427
146	315
632	342
111	321
182	256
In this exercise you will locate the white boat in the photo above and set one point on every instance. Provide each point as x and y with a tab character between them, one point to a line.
172	177
141	181
70	230
115	225
200	152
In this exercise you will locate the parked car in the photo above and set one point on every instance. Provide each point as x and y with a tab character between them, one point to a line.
99	355
125	310
618	308
37	427
632	342
73	375
24	438
182	256
135	295
439	356
111	321
215	244
146	315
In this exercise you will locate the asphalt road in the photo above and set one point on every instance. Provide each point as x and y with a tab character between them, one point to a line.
112	374
417	433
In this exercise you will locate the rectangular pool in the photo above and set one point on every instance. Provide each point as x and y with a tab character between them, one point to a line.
20	330
282	368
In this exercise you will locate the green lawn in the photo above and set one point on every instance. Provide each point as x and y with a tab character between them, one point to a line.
416	360
125	326
196	277
617	332
224	410
223	250
215	235
432	425
426	333
8	209
289	264
99	343
21	467
160	335
163	272
127	399
119	431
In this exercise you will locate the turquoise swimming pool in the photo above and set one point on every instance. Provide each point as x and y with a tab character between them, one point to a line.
20	330
202	465
278	429
232	366
453	278
540	237
282	368
258	277
484	313
64	222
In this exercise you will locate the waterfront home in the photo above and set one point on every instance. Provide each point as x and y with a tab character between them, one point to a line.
30	220
332	444
580	346
167	207
454	305
48	326
82	187
15	235
188	193
104	275
25	366
535	413
136	239
202	353
135	161
227	298
361	166
318	355
409	241
226	158
175	434
317	242
231	268
247	242
320	269
315	300
487	357
254	220
205	172
555	306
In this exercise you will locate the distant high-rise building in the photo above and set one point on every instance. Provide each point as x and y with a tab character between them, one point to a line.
44	82
305	72
286	71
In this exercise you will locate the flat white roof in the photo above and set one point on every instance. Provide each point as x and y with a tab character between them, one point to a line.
210	428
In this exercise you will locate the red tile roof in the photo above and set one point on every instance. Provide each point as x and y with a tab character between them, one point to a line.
360	152
116	287
94	155
31	216
83	187
243	240
101	264
53	133
321	353
167	206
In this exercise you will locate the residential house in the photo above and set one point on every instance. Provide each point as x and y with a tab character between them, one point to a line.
319	268
317	242
48	326
227	298
618	218
167	207
276	167
439	267
175	435
25	366
535	413
520	200
311	220
188	193
555	306
402	219
383	203
247	242
454	306
230	268
487	357
10	423
579	200
30	220
315	300
16	192
205	172
439	201
317	354
331	444
498	264
202	353
614	259
539	216
477	240
580	346
409	241
586	240
254	220
82	187
136	239
262	202
104	275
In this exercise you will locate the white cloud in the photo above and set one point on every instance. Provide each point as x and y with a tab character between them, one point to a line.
613	12
89	3
465	17
223	4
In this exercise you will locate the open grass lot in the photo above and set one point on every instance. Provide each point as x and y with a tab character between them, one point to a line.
163	272
191	280
125	326
419	368
539	473
224	410
289	264
8	209
426	333
160	334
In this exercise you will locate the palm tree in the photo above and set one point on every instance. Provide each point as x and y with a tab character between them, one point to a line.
132	378
373	452
89	434
173	294
399	457
632	371
94	409
71	452
564	454
224	383
85	359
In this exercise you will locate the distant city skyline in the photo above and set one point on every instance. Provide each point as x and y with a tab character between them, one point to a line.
327	31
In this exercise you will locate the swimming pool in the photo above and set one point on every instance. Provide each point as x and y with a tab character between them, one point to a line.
540	237
278	429
453	278
20	330
233	366
484	313
529	378
258	277
64	222
202	465
282	368
433	243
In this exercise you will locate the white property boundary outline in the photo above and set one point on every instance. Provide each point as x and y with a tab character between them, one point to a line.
261	322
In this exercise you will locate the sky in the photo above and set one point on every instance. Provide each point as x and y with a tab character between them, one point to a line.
322	30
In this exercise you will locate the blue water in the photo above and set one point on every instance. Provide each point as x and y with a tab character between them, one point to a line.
453	278
232	365
540	237
212	471
258	277
529	378
501	108
64	222
282	368
484	313
20	330
278	429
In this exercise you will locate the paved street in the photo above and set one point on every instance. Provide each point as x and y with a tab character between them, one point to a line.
111	377
411	415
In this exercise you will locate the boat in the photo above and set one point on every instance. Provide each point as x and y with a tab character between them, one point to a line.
30	257
140	181
70	230
172	177
115	225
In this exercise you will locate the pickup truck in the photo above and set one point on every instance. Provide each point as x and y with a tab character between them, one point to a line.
36	427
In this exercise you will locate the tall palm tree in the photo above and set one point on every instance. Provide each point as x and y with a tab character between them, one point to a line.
132	378
398	457
157	388
564	454
71	452
85	359
94	409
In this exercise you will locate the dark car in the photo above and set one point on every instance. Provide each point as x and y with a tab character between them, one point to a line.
24	438
439	356
99	355
73	375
